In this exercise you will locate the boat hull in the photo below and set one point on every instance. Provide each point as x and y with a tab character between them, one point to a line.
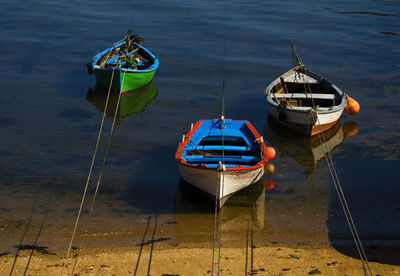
122	81
308	123
219	185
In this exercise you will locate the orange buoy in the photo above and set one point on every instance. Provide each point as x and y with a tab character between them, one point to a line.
269	153
269	184
350	128
352	107
269	168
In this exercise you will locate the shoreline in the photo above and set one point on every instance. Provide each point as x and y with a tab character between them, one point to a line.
162	258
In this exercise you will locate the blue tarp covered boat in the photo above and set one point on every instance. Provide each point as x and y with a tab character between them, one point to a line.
222	156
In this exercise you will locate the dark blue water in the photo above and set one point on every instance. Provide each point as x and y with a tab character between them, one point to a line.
49	125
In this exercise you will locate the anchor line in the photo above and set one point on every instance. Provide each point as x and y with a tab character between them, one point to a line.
223	175
219	189
86	228
91	169
215	222
90	173
335	178
222	167
220	219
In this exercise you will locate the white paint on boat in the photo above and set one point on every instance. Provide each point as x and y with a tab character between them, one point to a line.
207	179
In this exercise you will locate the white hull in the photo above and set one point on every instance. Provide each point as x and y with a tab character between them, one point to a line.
306	119
230	181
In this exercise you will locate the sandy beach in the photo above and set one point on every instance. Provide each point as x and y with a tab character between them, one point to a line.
158	258
281	243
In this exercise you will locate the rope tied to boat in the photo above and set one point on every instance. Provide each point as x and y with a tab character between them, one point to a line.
333	173
221	169
90	172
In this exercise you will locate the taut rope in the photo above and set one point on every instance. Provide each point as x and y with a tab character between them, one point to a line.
89	175
335	178
91	168
219	189
102	168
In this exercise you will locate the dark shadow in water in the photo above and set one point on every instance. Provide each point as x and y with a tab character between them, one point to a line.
309	153
370	13
191	200
389	33
380	242
131	102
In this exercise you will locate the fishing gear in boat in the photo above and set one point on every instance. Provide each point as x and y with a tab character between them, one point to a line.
127	57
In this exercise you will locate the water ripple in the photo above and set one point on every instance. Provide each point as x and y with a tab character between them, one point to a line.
369	13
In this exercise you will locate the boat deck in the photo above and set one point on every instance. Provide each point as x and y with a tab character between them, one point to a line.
237	148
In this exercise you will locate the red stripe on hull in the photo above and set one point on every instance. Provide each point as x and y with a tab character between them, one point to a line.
321	128
304	129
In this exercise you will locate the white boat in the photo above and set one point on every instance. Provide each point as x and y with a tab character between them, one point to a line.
222	156
304	102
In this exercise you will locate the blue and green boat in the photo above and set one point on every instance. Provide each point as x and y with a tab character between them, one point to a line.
125	66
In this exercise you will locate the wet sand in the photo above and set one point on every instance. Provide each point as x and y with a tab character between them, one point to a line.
159	258
264	239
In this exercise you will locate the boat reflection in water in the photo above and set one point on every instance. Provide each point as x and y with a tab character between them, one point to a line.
305	150
247	203
134	101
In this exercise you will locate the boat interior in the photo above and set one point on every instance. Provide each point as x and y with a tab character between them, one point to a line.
234	150
298	94
133	57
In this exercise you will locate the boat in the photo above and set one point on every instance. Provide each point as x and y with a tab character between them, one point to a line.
131	102
125	66
305	102
222	156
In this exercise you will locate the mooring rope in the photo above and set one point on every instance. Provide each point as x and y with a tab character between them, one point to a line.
335	179
102	168
215	220
220	217
223	155
223	174
89	175
220	188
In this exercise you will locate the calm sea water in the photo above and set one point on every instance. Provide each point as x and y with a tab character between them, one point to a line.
51	112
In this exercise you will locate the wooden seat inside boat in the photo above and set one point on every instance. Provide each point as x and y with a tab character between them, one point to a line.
295	94
210	151
304	96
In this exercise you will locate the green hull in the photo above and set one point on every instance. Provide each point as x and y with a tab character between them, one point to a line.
123	81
